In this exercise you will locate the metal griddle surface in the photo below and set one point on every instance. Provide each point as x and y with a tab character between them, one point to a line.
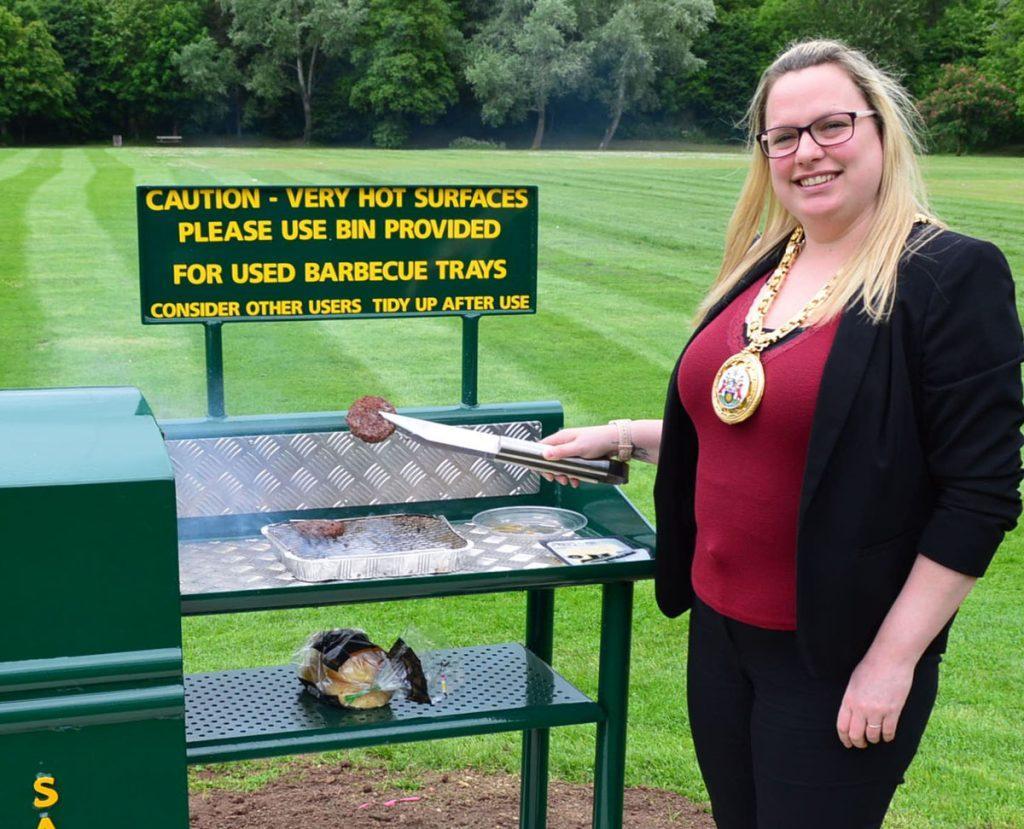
223	566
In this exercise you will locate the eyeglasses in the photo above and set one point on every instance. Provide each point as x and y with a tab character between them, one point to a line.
828	131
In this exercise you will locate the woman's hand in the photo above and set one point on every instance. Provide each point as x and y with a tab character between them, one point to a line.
586	442
878	689
873	701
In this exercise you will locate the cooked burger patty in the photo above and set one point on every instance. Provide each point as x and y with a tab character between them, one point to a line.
320	529
365	422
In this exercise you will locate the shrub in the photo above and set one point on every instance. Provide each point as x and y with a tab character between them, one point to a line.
967	110
390	135
464	142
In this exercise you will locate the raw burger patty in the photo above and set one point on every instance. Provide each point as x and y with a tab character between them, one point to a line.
365	422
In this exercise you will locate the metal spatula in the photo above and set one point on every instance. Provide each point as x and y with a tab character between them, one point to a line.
510	450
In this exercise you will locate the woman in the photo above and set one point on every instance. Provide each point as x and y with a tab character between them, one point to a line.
854	389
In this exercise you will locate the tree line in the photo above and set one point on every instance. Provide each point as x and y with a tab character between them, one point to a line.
388	71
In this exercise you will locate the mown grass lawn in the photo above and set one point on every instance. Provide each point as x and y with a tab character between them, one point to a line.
628	242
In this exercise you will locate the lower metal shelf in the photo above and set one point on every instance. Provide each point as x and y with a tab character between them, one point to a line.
263	712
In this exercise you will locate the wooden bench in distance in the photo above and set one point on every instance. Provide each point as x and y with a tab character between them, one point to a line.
168	139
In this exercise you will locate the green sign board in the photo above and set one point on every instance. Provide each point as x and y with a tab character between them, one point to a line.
274	253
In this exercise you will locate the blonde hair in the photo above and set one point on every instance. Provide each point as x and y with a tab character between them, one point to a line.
871	272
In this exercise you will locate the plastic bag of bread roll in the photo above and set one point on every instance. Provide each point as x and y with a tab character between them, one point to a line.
343	667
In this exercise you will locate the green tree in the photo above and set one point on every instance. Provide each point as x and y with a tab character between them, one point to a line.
968	110
526	53
73	25
891	32
1004	49
33	81
286	40
638	40
211	72
959	35
405	65
734	52
139	40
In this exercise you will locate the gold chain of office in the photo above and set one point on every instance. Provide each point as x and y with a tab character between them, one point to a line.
739	384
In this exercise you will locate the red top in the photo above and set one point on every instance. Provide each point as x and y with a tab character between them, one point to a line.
750	474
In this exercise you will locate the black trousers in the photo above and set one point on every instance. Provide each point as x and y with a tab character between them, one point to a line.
765	733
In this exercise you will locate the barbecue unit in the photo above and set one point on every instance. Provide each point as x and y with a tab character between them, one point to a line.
116	524
97	663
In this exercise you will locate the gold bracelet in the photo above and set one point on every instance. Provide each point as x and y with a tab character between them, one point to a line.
625	445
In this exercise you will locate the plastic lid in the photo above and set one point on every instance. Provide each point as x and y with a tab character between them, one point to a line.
536	522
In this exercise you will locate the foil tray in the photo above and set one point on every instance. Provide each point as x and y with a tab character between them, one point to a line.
379	546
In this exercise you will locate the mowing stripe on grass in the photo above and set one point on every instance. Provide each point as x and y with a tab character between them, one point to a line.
82	282
675	290
13	162
110	197
25	331
174	353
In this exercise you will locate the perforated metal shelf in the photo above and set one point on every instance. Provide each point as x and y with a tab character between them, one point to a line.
263	712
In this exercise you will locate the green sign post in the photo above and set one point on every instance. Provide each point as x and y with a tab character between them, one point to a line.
212	255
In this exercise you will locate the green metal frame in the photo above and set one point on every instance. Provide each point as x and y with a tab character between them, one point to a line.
214	343
533	792
213	335
609	513
610	712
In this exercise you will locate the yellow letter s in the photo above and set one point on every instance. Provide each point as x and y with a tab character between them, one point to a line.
44	787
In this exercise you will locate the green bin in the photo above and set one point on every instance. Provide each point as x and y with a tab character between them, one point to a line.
91	690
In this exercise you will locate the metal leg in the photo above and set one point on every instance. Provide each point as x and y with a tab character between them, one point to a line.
214	369
470	358
533	792
613	696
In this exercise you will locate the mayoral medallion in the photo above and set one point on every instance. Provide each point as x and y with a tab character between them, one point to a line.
738	387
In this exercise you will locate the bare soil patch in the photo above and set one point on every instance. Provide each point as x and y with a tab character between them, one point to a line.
359	797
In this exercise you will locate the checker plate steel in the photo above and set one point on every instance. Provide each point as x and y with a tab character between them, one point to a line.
279	473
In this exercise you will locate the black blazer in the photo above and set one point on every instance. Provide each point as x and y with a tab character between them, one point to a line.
914	447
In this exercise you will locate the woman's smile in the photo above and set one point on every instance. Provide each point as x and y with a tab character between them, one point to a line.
815	181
